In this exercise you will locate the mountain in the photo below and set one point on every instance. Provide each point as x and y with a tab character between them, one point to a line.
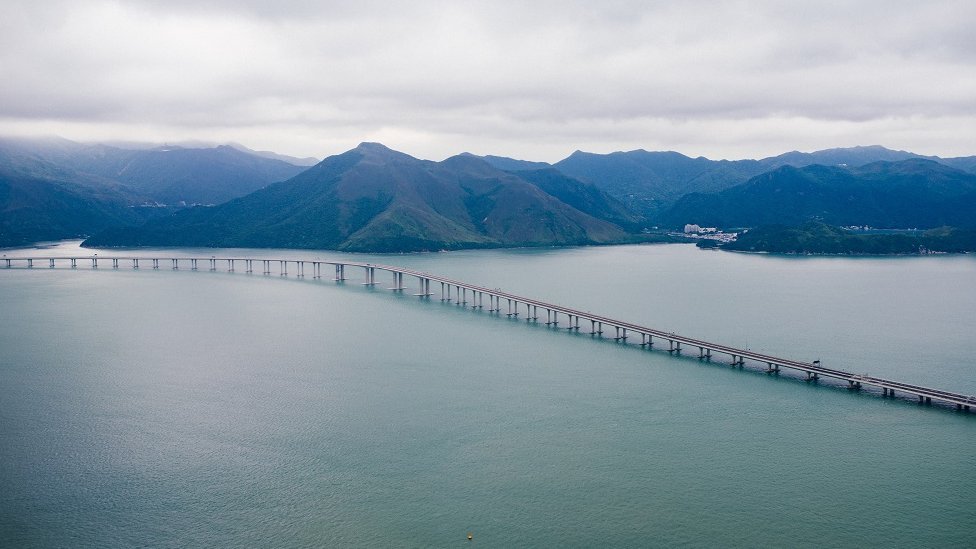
512	164
910	193
174	175
375	199
849	156
814	237
648	182
651	182
42	201
169	174
306	162
582	196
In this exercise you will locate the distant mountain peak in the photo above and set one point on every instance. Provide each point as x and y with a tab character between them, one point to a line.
373	146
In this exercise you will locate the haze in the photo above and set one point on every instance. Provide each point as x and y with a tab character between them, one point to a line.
308	78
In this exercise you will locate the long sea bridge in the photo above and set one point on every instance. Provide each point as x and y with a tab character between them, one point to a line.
464	294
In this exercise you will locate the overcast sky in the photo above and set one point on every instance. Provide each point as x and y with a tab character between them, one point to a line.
432	79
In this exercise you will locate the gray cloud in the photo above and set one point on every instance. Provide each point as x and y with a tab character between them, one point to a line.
723	79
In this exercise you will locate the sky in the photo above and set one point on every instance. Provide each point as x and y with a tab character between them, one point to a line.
531	80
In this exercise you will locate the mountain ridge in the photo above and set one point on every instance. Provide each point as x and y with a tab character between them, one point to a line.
372	198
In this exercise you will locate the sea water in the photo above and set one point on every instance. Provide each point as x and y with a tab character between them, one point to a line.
180	408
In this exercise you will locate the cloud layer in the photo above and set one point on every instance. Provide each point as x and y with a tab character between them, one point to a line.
721	79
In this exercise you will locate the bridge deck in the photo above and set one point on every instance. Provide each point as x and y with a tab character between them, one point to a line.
647	334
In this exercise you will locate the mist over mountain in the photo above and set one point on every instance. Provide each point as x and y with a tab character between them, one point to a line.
306	162
42	201
372	198
906	194
171	175
651	182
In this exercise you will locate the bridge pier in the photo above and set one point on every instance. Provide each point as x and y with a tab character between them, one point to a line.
620	337
424	286
30	263
52	263
8	262
772	368
675	346
855	385
135	262
397	281
193	265
94	263
155	264
573	323
370	273
249	266
175	263
231	265
596	328
812	376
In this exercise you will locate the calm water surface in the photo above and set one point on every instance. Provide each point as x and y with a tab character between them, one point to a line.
170	408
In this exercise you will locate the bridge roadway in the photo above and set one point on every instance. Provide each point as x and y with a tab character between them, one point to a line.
622	330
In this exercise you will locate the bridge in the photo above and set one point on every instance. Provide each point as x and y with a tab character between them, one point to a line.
464	294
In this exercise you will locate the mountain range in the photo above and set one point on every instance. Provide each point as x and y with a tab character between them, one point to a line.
905	194
54	188
372	198
651	182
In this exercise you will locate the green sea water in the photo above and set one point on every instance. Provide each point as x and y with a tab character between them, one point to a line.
174	409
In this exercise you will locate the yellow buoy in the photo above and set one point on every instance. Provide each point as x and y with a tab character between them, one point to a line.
470	536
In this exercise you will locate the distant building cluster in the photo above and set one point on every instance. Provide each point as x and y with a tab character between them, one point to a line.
693	230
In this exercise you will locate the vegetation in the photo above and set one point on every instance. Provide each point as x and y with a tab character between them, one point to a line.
820	238
906	194
378	200
651	182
